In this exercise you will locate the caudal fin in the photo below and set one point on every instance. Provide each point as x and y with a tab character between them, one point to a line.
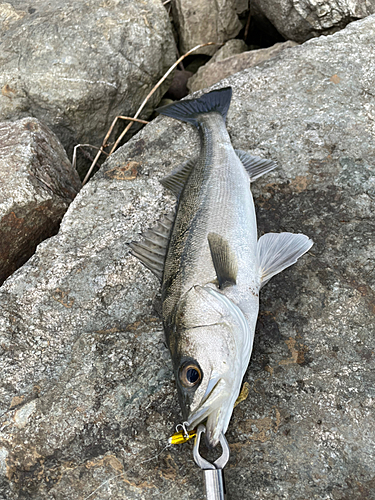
188	110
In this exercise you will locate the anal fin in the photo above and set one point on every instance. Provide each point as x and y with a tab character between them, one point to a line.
152	249
254	165
225	262
176	180
277	251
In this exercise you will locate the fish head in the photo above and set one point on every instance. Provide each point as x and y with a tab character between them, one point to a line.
210	357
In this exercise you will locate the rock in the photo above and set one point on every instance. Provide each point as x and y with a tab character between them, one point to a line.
195	62
300	20
178	88
241	6
200	22
216	70
261	31
87	395
77	64
231	48
37	184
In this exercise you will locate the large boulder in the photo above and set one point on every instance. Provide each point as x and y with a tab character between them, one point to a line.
76	64
87	395
218	68
37	184
300	20
200	22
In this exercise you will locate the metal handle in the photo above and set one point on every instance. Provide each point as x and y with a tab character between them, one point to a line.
213	475
214	486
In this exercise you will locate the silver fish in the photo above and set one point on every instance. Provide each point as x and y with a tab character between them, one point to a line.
212	265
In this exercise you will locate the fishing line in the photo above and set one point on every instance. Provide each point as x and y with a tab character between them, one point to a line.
169	445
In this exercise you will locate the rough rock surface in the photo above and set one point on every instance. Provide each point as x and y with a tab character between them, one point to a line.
87	394
37	184
217	69
178	88
300	20
76	64
200	22
241	6
230	48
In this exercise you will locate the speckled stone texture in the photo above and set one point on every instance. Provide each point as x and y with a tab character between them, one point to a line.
200	22
87	395
214	71
76	64
300	20
37	184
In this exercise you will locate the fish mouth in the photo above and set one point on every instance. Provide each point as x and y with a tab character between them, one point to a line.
210	397
216	407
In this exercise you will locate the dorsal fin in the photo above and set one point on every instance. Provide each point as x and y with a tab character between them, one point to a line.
175	181
277	251
152	249
254	165
224	260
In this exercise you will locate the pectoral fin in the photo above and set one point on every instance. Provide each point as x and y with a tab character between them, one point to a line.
224	260
152	249
254	165
278	251
175	181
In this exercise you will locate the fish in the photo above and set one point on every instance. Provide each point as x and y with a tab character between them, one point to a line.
212	265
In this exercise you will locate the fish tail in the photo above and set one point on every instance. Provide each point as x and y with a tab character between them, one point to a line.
189	109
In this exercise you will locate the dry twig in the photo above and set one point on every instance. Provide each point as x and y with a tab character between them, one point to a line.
135	119
247	26
104	144
74	160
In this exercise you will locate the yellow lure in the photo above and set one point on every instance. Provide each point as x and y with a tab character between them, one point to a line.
182	437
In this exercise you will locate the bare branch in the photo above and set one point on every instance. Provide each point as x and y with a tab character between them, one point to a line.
135	118
104	143
157	86
74	160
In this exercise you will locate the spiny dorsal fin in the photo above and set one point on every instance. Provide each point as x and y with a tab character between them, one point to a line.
254	165
224	260
175	181
152	249
279	251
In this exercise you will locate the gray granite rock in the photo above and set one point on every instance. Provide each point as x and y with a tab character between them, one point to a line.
230	48
87	394
178	88
37	184
300	20
200	22
219	68
241	6
76	64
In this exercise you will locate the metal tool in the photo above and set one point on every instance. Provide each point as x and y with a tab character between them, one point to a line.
213	475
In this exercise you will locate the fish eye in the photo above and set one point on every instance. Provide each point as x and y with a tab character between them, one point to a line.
190	375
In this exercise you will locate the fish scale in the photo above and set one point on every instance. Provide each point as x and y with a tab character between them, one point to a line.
212	265
218	205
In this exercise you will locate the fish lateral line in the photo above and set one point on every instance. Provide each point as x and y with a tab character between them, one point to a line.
238	259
